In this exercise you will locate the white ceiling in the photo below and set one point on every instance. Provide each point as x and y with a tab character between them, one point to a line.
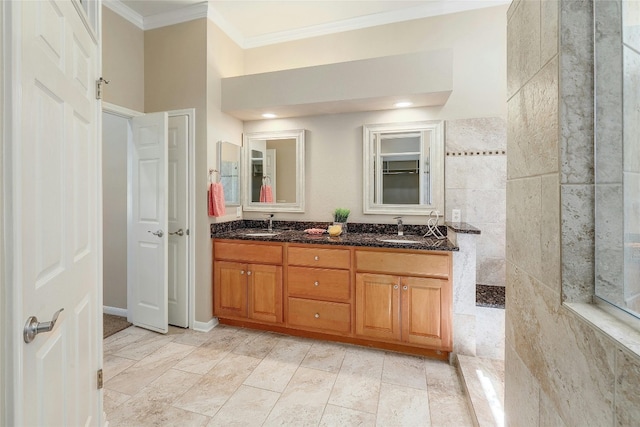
256	23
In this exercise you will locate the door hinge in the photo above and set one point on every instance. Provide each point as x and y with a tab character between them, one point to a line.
99	83
100	379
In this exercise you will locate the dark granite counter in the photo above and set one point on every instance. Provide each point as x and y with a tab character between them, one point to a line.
349	239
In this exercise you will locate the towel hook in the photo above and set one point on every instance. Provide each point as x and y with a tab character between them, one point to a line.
214	175
266	180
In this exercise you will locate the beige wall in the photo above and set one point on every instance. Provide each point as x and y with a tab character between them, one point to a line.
478	39
559	369
224	58
3	287
175	78
122	61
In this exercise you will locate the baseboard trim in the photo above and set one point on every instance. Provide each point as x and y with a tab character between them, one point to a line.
205	326
122	312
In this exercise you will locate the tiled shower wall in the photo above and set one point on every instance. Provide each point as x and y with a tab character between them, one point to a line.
559	369
476	172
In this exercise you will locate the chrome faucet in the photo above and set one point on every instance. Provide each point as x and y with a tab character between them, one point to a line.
400	226
270	222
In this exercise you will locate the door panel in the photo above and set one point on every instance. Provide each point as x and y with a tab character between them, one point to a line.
265	293
377	306
178	218
422	303
230	297
148	252
55	199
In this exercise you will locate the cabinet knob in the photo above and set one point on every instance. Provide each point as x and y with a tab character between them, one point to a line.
248	273
317	315
241	271
395	286
316	258
405	287
316	283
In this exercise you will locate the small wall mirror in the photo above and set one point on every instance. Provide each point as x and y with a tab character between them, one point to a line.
403	168
229	170
274	171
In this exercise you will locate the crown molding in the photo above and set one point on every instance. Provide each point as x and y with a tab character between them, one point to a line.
125	11
427	10
230	30
203	10
184	14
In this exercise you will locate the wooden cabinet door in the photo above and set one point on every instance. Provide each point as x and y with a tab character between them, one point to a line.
377	306
425	319
230	289
265	292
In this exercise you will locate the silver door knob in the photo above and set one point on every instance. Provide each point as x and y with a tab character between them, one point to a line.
33	327
405	287
395	286
177	233
316	283
158	233
317	315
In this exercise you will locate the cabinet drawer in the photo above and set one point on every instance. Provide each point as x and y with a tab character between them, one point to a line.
320	315
318	283
315	257
435	265
248	252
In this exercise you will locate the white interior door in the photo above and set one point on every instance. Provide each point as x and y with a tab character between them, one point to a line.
178	220
147	236
54	213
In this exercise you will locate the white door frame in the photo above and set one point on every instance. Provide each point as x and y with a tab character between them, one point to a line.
191	270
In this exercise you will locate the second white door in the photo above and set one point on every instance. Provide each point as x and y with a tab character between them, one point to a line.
178	220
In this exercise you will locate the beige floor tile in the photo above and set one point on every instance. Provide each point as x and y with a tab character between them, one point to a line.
358	382
337	416
123	338
144	347
113	399
303	401
233	376
140	412
325	356
191	337
248	406
277	368
112	365
209	394
226	338
258	345
404	370
403	406
201	360
136	377
169	386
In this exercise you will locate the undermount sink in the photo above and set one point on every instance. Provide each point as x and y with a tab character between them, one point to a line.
400	242
265	234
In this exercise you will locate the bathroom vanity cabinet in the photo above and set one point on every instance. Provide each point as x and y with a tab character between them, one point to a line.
319	289
248	280
404	297
398	299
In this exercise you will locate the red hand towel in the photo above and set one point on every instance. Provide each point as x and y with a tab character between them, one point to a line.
266	194
216	199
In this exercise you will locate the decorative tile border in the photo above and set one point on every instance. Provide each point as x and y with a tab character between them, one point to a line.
477	153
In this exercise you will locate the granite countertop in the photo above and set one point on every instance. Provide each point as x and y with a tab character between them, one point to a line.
349	239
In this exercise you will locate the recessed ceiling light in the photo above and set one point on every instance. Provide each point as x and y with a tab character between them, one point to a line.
403	104
269	116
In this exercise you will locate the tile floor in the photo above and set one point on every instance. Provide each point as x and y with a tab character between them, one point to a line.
239	377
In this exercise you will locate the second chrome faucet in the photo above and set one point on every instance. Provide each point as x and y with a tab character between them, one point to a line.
400	226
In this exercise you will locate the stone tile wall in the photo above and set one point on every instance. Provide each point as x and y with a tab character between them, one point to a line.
475	182
559	370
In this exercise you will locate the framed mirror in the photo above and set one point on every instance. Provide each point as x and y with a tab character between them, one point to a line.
273	168
229	170
403	168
